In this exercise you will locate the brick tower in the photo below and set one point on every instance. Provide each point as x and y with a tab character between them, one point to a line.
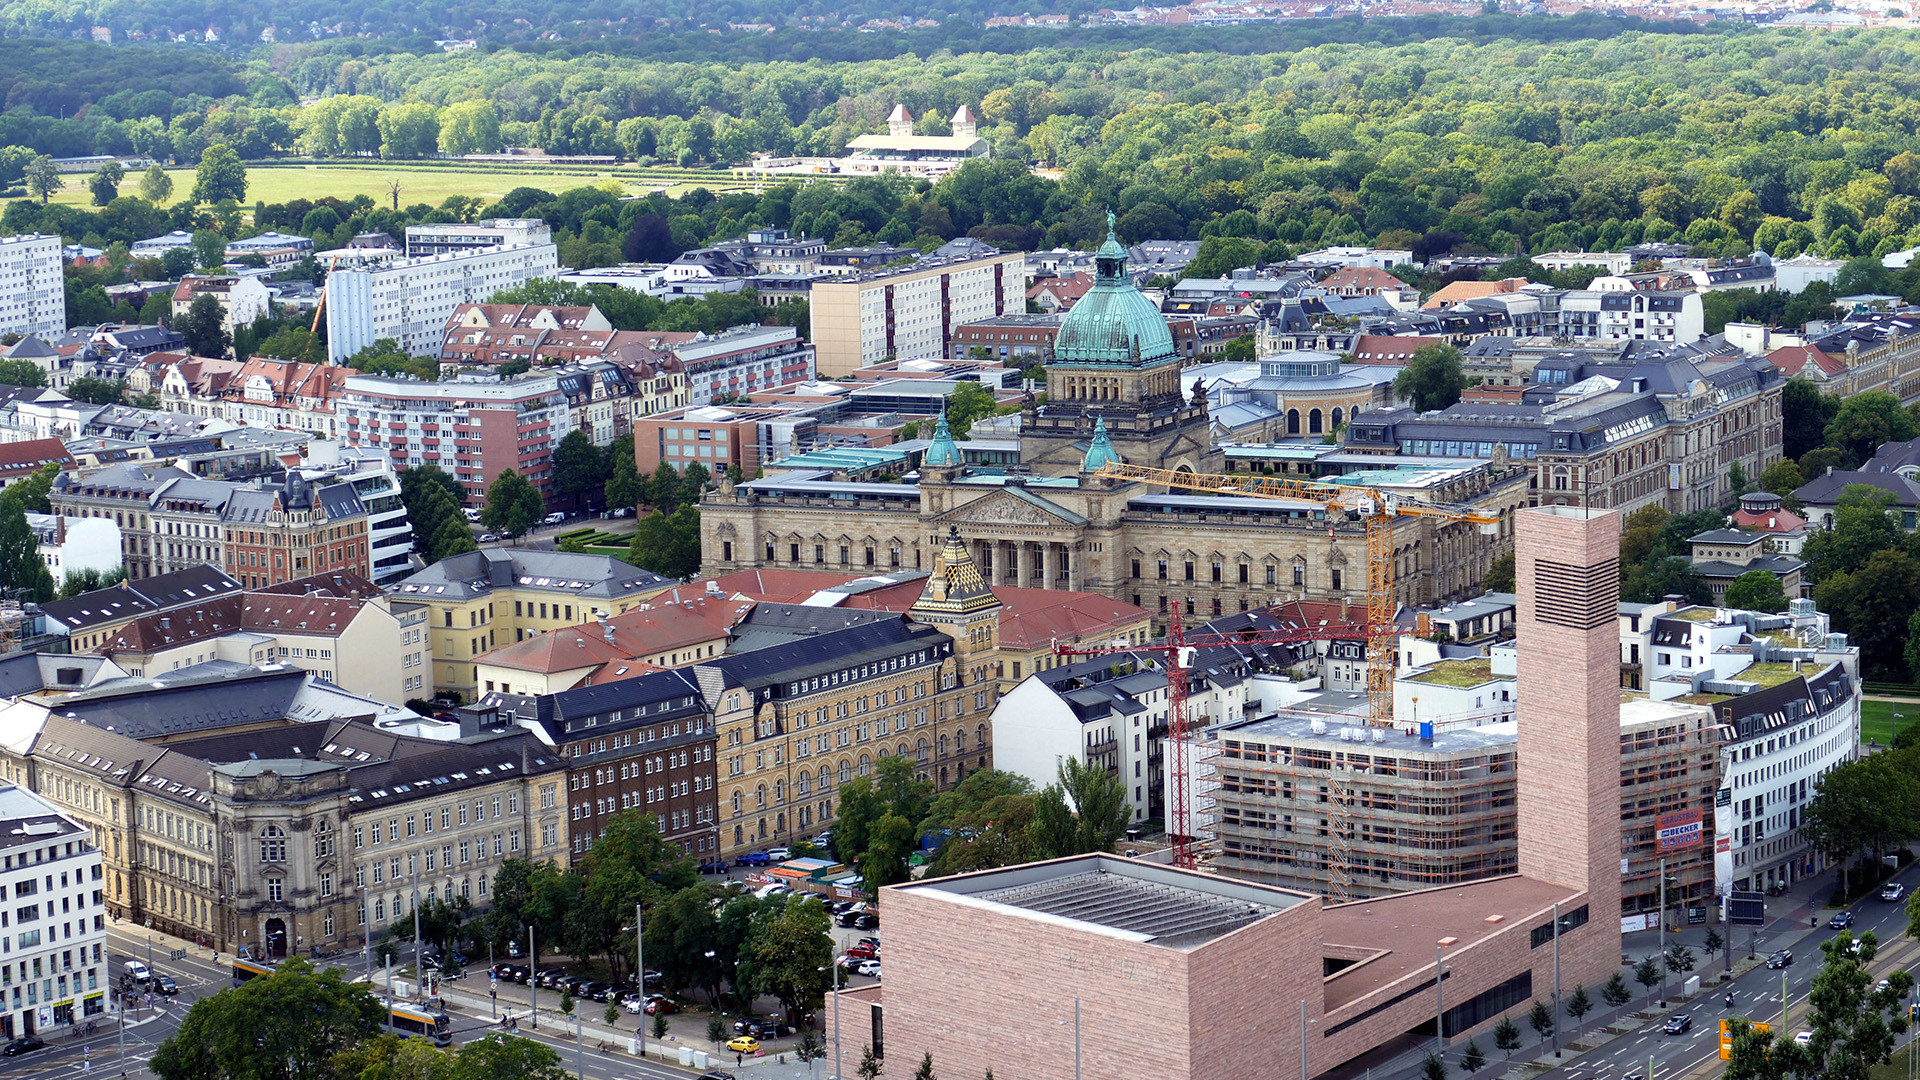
1568	645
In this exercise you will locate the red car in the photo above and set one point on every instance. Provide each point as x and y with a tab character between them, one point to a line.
658	1004
862	952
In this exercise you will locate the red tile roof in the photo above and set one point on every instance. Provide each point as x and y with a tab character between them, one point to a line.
20	458
1388	349
1361	280
1793	360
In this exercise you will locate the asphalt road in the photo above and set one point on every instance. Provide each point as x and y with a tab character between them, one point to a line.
100	1054
1756	998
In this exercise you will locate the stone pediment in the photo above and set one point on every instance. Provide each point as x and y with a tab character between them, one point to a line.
1009	506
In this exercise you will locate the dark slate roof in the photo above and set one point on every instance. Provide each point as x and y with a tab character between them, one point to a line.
151	708
446	767
1826	490
645	699
190	586
1724	536
768	624
477	573
23	674
774	667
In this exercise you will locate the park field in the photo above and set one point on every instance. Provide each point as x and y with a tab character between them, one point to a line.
431	184
1877	719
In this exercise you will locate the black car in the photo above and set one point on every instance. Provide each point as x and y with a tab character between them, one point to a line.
867	920
1781	958
599	991
551	978
163	984
25	1044
1678	1024
1841	920
714	866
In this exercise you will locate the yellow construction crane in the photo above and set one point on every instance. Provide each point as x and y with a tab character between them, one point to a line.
1377	509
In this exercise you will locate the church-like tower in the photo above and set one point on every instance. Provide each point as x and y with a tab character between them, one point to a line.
958	600
1114	361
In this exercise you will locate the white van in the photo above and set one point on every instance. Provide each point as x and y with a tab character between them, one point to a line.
138	972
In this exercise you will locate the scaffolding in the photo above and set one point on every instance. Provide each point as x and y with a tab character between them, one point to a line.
1418	813
1668	765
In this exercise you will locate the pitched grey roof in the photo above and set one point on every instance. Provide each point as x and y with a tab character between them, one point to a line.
777	666
476	573
1826	490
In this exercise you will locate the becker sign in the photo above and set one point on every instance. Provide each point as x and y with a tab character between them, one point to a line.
1679	831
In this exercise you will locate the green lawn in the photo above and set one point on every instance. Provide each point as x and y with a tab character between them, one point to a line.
421	184
1876	718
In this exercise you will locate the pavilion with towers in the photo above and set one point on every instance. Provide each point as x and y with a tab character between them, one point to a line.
900	150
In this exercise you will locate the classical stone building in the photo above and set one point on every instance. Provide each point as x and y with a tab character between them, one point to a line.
1113	395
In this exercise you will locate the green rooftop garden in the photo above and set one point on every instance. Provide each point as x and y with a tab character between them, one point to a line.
1461	673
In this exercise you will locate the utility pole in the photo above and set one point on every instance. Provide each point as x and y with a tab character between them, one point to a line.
580	1046
640	977
1440	996
1556	980
1663	935
389	993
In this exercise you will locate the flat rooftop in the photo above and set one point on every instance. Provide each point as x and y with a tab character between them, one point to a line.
1394	937
1124	898
1296	728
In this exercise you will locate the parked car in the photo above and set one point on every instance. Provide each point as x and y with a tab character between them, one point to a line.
1804	1038
869	968
25	1044
553	518
632	1000
549	978
867	920
1893	891
489	538
620	512
744	1044
1841	920
761	1027
840	907
472	514
1678	1024
779	854
1780	958
873	941
513	948
163	984
773	889
661	1004
863	952
598	991
752	858
714	866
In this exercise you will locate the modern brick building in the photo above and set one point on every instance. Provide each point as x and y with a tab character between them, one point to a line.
1220	960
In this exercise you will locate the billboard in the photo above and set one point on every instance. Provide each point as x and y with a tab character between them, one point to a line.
1726	1037
1679	831
1747	909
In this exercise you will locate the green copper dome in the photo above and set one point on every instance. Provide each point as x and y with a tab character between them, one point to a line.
943	451
1113	323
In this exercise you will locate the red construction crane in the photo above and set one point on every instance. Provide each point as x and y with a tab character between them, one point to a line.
1177	653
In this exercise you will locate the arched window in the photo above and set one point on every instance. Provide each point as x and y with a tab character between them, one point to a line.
273	844
826	779
779	792
1293	421
1336	419
866	765
846	771
1313	422
919	752
760	797
736	804
380	910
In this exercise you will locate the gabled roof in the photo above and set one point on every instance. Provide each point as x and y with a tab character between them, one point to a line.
1826	490
1361	277
1794	360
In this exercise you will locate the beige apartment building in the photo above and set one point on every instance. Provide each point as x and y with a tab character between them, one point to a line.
910	311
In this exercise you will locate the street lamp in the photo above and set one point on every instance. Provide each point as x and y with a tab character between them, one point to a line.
640	976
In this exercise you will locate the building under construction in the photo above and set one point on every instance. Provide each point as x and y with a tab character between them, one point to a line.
1432	804
1429	808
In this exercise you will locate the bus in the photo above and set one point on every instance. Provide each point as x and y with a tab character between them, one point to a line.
411	1020
244	970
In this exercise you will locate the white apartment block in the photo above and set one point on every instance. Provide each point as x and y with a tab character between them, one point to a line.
910	312
53	963
410	299
1610	262
1613	310
33	296
425	240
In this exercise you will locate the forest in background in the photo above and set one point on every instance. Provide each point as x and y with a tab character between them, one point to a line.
1775	140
